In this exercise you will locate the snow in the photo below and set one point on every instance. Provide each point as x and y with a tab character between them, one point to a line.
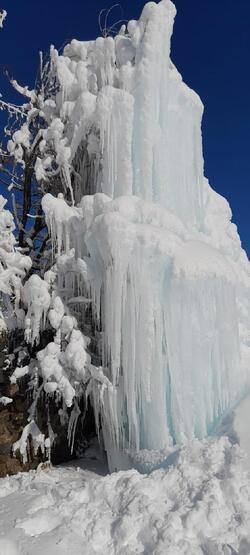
197	501
19	373
37	300
5	401
43	521
3	15
38	440
13	268
240	426
8	547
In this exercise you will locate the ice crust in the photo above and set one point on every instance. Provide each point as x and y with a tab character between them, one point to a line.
152	245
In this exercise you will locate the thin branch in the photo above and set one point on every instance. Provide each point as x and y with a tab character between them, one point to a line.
11	107
24	91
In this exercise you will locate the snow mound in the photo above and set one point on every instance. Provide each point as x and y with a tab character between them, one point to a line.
8	547
43	521
197	502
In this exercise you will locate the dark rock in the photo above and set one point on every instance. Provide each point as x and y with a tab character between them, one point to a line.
9	389
14	417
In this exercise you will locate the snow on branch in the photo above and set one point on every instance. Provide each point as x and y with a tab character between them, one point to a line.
3	15
24	91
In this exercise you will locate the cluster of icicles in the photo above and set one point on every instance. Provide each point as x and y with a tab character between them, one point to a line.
147	243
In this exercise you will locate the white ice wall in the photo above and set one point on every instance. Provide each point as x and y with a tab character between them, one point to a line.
168	279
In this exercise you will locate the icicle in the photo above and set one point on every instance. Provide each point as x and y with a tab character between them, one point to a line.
158	257
75	413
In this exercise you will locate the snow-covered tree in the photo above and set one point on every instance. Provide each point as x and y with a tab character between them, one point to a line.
14	266
36	159
21	155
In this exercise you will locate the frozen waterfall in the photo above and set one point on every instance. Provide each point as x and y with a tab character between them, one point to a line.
166	273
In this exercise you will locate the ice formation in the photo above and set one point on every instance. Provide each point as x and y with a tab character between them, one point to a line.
38	440
146	239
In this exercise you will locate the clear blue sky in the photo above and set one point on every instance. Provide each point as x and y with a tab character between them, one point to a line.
210	47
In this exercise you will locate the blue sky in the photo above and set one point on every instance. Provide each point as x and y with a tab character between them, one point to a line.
210	47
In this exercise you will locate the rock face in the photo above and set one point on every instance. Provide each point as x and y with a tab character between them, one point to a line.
11	424
14	416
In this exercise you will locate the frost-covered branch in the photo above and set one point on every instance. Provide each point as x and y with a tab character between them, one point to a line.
24	91
3	15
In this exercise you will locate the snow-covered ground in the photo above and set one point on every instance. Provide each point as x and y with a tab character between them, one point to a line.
198	504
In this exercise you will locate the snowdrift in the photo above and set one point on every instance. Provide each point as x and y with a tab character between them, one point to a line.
199	503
